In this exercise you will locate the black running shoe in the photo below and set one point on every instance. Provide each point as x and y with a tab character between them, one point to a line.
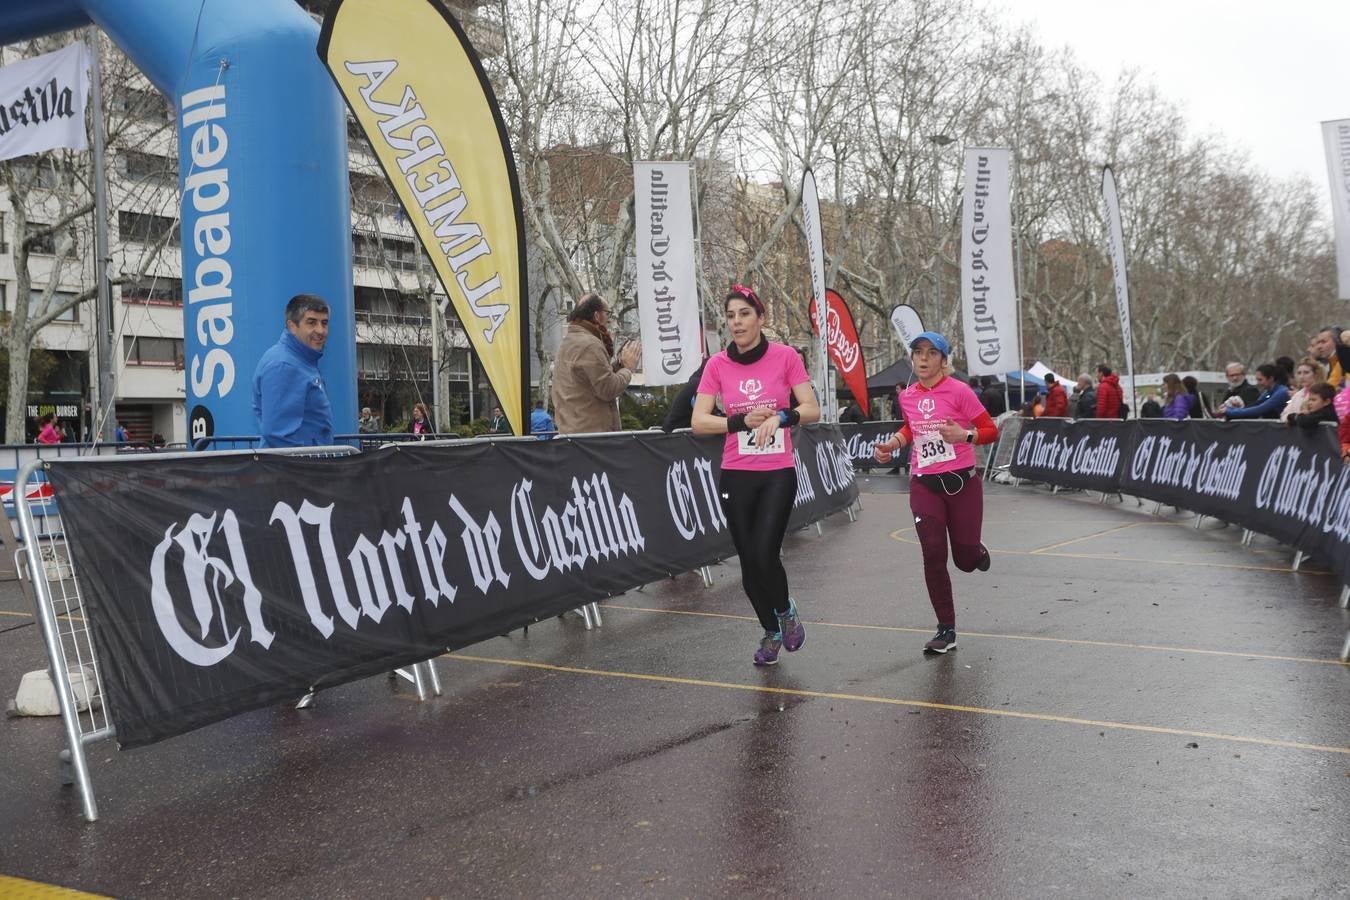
983	564
944	640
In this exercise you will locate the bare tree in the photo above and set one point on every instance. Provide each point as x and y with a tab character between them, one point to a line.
1222	260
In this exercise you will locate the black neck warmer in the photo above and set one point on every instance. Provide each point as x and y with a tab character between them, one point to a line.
753	355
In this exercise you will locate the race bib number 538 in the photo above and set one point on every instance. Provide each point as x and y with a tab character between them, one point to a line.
932	449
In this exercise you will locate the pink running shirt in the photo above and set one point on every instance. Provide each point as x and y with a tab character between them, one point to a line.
767	382
924	410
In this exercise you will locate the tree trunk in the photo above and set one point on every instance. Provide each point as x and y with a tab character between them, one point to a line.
16	400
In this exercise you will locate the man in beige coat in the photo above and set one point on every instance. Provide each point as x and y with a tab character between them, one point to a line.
586	384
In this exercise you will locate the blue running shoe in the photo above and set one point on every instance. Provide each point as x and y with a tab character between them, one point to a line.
791	628
767	654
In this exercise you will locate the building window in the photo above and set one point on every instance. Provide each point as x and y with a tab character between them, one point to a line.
153	351
146	228
46	243
372	195
35	297
356	138
4	244
47	172
381	306
146	168
397	253
387	362
149	105
154	291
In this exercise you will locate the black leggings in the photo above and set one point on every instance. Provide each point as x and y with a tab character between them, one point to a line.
757	506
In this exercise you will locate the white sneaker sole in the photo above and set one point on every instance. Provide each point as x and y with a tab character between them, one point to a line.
951	646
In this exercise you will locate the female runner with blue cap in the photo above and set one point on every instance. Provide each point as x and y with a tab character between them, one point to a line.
943	420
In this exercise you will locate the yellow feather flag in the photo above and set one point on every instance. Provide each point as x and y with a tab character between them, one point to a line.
419	92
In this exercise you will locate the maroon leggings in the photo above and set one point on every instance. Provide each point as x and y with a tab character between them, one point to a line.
938	516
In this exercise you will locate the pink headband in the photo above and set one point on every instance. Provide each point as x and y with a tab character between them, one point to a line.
740	290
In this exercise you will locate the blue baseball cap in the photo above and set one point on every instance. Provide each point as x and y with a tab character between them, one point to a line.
938	341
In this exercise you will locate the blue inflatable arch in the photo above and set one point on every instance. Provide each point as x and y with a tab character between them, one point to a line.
263	171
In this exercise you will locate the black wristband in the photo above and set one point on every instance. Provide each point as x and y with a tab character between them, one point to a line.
790	418
735	423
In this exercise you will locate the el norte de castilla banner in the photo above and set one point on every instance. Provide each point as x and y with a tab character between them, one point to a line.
1287	483
220	583
419	92
42	102
988	298
667	284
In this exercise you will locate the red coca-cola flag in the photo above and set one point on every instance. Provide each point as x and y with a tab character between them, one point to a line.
842	339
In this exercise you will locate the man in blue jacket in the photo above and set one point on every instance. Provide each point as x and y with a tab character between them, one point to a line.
541	423
290	400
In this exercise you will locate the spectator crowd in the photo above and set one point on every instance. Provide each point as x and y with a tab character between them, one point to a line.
1304	394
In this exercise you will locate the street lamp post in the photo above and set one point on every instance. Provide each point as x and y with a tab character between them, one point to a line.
938	141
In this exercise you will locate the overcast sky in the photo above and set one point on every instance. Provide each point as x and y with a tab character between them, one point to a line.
1262	74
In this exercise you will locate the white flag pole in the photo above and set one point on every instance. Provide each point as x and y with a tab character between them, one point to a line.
698	260
1336	137
104	422
1017	275
815	249
1117	246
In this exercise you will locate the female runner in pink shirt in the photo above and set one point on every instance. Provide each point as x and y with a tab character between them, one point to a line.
943	420
757	380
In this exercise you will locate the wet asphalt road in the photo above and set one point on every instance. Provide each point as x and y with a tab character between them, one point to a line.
1136	709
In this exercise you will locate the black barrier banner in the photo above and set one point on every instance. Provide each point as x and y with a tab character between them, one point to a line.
219	584
1288	483
860	438
1085	454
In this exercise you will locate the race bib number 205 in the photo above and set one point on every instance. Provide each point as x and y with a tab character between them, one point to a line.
746	446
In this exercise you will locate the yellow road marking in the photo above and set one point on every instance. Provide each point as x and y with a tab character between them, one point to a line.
899	535
21	889
23	615
1007	637
1086	537
896	701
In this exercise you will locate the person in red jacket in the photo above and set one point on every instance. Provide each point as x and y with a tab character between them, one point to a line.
1056	401
1109	394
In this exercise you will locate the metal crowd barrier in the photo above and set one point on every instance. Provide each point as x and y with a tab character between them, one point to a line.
1001	457
72	660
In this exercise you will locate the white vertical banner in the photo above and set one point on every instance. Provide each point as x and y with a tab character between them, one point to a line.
815	251
1117	236
667	280
42	102
1336	136
988	298
907	324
